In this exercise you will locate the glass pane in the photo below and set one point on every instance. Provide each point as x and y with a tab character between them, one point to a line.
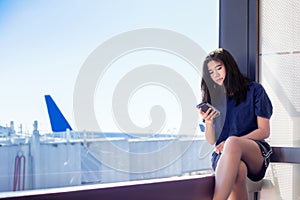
100	91
279	64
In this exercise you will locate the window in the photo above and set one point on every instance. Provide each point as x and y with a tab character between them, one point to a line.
125	76
279	73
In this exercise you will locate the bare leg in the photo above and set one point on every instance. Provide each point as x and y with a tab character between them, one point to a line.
239	190
235	150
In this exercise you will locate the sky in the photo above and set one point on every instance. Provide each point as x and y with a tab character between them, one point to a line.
45	45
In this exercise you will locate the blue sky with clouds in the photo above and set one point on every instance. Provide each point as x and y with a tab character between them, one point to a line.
43	45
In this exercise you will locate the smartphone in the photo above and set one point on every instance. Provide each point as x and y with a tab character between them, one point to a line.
205	106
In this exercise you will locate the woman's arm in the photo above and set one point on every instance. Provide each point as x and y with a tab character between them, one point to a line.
208	116
263	130
210	134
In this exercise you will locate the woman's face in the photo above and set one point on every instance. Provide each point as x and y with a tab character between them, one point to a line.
217	71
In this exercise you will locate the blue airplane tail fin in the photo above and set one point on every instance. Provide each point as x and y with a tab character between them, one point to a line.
57	120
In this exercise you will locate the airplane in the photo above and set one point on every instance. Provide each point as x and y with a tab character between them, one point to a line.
57	119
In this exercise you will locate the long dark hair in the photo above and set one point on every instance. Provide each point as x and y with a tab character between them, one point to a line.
234	85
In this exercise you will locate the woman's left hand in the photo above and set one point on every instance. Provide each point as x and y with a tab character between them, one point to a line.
219	148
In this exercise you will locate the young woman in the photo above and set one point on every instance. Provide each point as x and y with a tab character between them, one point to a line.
239	132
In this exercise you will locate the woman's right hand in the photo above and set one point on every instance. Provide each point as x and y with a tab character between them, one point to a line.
209	115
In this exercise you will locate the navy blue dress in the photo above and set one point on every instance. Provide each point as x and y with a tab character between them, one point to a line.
241	119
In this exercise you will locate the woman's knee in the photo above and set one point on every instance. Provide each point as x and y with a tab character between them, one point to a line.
232	144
